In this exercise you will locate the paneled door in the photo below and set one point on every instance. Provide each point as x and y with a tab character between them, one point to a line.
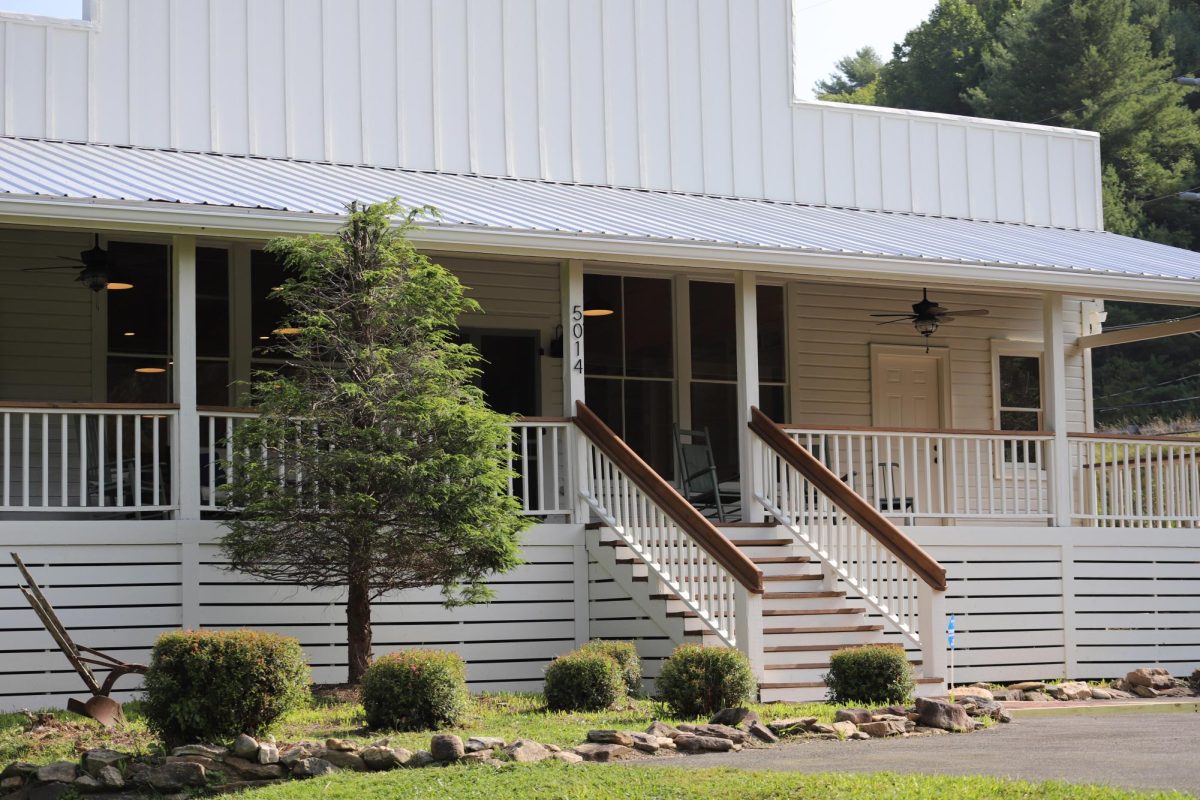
906	390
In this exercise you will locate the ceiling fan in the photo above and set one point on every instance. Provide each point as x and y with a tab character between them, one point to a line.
95	269
927	316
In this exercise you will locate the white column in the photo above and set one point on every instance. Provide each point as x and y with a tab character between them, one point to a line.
1054	400
185	443
746	307
571	291
931	615
748	611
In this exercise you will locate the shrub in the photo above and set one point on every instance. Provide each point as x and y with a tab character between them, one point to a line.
871	674
414	690
627	658
583	680
1194	681
209	686
698	681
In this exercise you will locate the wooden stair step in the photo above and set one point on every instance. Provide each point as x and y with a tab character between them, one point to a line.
781	559
809	612
823	629
818	665
762	542
793	577
800	595
769	522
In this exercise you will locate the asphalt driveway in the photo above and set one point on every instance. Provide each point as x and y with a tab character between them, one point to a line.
1135	751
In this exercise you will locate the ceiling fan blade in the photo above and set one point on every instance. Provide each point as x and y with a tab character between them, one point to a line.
890	321
943	319
892	315
971	312
37	269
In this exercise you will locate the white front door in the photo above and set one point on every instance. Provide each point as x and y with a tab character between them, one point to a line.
907	390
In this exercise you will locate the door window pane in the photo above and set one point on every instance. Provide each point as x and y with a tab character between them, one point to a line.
648	328
714	331
772	332
714	406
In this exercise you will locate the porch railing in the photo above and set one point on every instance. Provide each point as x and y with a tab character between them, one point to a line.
680	548
939	474
1135	481
849	535
86	457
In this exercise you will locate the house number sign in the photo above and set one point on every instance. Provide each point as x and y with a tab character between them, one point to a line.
577	339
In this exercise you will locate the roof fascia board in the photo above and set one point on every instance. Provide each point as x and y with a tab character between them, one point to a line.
263	224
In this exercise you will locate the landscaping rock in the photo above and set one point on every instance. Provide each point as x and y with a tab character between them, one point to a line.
205	750
267	754
553	748
421	758
344	759
973	691
19	769
1037	697
252	770
1071	690
883	728
844	728
1152	677
380	757
734	717
62	771
478	743
312	767
172	777
662	729
792	727
602	753
98	758
722	732
666	743
891	711
1118	694
11	783
567	757
860	736
645	742
47	791
1176	691
87	784
110	778
446	747
1100	694
295	753
245	746
610	737
692	743
821	729
1027	686
939	714
477	757
762	732
527	751
923	731
1145	691
854	715
344	745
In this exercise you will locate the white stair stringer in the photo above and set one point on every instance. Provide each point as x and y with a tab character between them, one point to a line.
805	617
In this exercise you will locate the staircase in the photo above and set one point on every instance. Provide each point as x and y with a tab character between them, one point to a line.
805	617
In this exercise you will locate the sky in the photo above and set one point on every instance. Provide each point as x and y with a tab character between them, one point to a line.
70	9
826	30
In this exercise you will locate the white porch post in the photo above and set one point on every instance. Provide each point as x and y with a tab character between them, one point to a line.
185	438
746	306
571	291
748	612
1054	366
931	613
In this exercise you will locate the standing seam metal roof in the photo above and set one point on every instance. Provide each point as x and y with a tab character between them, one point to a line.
31	168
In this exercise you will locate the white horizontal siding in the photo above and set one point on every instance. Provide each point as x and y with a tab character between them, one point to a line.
832	332
687	95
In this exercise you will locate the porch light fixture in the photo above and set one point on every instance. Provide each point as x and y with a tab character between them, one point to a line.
129	333
116	286
597	312
151	370
285	331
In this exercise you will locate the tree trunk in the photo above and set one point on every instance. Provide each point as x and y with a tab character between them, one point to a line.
358	630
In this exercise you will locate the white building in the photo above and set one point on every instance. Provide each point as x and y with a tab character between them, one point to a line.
642	158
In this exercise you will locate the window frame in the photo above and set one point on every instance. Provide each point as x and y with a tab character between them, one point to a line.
1017	349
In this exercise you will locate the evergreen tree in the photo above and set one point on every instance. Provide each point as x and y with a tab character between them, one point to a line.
853	79
374	464
937	62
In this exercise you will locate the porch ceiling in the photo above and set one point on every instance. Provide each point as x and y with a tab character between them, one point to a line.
51	180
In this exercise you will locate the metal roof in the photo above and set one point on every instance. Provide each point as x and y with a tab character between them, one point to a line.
31	169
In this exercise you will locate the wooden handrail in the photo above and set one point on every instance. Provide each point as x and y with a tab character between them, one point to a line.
664	495
226	410
1129	437
848	501
32	405
792	427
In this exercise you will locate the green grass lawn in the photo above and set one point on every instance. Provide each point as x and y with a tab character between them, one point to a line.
597	782
509	716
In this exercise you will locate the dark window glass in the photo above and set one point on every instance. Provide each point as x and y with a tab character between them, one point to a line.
267	311
139	319
212	302
139	379
508	372
212	383
714	407
650	414
714	331
772	401
1018	420
602	335
772	334
648	327
604	397
1020	382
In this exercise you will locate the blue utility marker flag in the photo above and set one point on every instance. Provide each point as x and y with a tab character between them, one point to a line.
950	639
950	625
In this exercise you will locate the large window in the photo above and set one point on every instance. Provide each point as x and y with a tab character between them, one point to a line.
1018	401
711	308
772	353
138	364
213	381
629	361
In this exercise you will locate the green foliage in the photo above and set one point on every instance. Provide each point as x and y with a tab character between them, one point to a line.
209	686
1194	681
872	674
395	472
698	681
414	690
851	75
937	61
627	658
588	679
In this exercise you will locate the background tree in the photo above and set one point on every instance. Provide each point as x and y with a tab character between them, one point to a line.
374	464
853	79
937	62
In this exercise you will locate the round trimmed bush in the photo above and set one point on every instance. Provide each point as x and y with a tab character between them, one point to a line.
627	658
874	674
413	690
210	686
583	680
699	681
